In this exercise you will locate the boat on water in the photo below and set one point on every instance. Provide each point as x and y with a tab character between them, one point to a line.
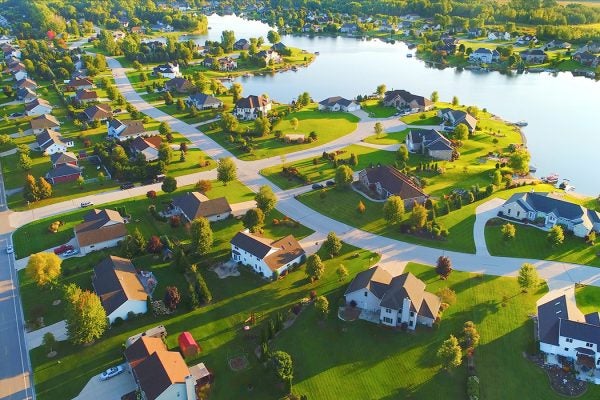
294	68
317	53
532	169
409	55
552	178
521	123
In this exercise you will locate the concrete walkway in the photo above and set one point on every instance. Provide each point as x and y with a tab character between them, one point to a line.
59	330
384	147
112	389
483	214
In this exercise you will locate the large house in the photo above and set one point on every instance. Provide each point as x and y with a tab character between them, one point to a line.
351	28
147	146
83	96
169	70
551	210
99	230
51	142
252	107
26	95
338	103
116	282
221	64
563	330
37	107
396	300
269	56
194	205
79	83
388	181
429	142
402	99
586	58
98	112
203	101
124	130
65	168
266	256
486	56
43	122
534	56
179	84
452	118
242	44
159	373
26	83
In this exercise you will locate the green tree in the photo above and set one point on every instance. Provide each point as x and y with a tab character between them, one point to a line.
282	364
43	268
435	97
31	191
508	231
202	235
180	105
254	220
164	128
381	89
169	185
455	101
342	272
528	277
450	353
353	160
497	178
265	199
262	126
25	162
403	153
227	40
470	337
343	176
236	91
519	161
378	128
273	37
393	210
556	235
86	318
314	267
294	123
229	122
226	170
418	216
461	132
49	342
332	244
168	97
165	153
322	306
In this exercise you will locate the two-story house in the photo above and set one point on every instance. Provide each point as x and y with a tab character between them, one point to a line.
452	118
252	107
37	107
65	168
429	142
404	100
44	122
99	230
168	70
51	142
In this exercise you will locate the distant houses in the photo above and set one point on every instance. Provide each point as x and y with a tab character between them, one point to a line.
534	56
99	230
338	103
404	100
387	181
547	210
168	70
203	101
266	256
429	142
252	107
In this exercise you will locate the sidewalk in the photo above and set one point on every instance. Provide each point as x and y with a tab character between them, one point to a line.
34	339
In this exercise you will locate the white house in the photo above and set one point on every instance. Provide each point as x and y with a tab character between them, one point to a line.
549	210
396	300
169	70
266	256
194	205
20	74
338	103
37	107
116	282
124	130
251	107
99	230
563	330
51	142
485	56
496	35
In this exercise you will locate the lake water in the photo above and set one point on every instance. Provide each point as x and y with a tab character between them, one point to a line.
563	134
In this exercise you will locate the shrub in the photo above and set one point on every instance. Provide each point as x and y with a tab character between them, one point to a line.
473	388
175	221
118	321
53	228
151	194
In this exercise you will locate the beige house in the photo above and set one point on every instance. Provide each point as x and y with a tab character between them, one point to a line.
100	229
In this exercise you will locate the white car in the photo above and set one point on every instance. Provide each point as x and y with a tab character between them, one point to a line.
9	249
86	204
70	253
111	373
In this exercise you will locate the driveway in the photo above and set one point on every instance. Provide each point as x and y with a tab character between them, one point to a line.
483	214
34	339
112	389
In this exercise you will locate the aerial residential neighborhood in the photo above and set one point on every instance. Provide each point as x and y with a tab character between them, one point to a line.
327	200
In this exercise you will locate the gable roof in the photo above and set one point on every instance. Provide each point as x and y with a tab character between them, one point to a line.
44	121
77	82
85	94
98	111
375	279
132	128
159	371
460	117
141	144
100	226
37	102
63	158
431	139
252	101
205	99
47	138
63	170
142	348
274	253
332	101
407	96
195	205
115	281
404	286
26	82
25	92
179	83
393	181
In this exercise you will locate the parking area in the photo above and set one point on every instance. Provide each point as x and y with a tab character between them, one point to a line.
112	389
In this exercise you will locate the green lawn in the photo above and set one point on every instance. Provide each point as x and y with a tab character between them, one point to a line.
423	118
328	127
216	327
388	138
377	110
531	242
235	192
588	298
324	169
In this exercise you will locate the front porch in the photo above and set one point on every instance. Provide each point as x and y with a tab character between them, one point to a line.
585	369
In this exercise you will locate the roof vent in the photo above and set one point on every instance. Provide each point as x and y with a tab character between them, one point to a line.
559	311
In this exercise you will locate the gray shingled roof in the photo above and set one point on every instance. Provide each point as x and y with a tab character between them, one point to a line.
115	281
195	205
331	101
394	182
375	279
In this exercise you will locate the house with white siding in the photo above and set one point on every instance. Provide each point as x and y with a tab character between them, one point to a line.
194	205
37	107
394	300
116	282
100	229
252	107
266	256
548	210
338	103
429	142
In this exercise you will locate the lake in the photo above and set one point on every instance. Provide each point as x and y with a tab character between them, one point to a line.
563	135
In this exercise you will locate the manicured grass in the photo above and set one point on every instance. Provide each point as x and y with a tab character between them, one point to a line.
417	118
324	169
235	192
588	298
216	327
388	138
377	110
365	361
531	242
327	126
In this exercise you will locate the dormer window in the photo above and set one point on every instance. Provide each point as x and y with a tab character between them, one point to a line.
589	345
569	340
366	293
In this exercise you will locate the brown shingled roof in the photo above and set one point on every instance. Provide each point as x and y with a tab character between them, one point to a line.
115	281
159	371
286	249
394	182
195	205
142	348
100	226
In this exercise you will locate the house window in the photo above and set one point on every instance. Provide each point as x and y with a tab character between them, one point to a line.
387	310
569	340
518	213
411	323
566	349
387	320
509	211
589	345
412	314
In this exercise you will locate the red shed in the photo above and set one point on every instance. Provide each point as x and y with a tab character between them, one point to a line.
187	345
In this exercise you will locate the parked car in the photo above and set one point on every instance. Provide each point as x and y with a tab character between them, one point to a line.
317	186
16	115
70	253
330	183
111	373
86	204
9	249
127	185
160	177
61	249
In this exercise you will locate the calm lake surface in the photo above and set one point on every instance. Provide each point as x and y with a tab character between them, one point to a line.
563	134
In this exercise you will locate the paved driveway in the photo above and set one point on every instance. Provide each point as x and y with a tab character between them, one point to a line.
111	389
